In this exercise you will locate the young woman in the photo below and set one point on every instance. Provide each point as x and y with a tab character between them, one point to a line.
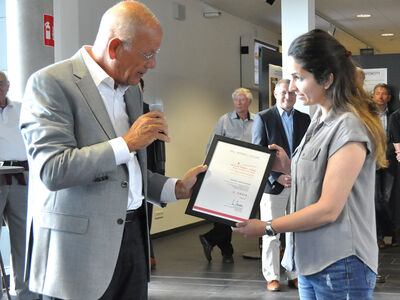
331	240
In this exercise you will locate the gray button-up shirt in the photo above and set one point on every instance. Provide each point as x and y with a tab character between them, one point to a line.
354	231
232	126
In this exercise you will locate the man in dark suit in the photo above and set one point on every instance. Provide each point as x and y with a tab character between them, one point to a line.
384	177
85	136
285	126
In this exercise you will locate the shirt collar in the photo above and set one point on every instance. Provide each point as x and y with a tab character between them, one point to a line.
281	111
385	112
99	76
332	115
9	104
234	115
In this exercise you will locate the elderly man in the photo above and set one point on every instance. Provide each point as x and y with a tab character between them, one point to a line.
13	188
285	126
86	136
236	125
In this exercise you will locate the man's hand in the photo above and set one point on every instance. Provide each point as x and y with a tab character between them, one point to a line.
251	228
285	180
183	188
146	129
282	161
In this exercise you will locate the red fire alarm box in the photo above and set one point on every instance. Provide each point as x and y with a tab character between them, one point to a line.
48	30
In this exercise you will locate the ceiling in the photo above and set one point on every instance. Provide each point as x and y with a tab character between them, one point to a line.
354	33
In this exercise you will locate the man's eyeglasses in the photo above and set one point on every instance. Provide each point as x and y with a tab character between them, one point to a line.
283	93
146	56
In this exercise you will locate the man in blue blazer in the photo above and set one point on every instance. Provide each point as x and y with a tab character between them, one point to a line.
285	126
86	141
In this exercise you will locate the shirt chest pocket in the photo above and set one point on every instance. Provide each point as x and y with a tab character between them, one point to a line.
309	166
310	155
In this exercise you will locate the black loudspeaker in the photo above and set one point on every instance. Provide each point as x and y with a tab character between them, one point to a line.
270	2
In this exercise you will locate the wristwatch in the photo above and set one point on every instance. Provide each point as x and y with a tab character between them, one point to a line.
269	230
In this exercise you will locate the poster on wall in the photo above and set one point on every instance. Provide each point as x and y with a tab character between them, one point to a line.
373	77
275	74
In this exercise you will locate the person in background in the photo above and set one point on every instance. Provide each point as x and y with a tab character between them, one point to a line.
360	75
236	125
385	176
13	188
331	242
285	126
156	164
83	126
394	138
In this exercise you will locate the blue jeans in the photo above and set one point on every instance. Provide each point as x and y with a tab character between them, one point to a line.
346	279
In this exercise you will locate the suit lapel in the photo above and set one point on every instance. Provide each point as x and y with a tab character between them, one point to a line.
91	95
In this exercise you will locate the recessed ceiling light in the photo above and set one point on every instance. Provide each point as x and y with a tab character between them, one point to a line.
363	15
387	34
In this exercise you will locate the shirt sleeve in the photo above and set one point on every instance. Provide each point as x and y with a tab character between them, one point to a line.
168	191
258	131
219	129
121	150
349	129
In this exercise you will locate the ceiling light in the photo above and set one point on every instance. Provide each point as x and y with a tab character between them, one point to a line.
363	16
211	14
387	34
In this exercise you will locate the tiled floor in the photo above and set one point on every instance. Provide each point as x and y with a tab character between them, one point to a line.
183	273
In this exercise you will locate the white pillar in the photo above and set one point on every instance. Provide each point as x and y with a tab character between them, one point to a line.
26	52
298	17
66	28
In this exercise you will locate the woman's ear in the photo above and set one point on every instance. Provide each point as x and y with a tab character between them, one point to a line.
328	83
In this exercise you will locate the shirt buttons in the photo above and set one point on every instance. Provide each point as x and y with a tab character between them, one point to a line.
124	184
120	221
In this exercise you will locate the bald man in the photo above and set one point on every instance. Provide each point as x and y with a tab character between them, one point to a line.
86	141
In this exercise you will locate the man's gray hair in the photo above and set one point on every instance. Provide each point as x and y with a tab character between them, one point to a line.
243	91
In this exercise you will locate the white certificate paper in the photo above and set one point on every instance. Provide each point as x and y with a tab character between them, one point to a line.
231	189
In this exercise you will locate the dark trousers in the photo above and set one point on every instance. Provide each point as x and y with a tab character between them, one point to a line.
221	235
383	189
129	281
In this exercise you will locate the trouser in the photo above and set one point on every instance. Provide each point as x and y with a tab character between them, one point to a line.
129	281
221	235
13	207
271	207
383	189
348	278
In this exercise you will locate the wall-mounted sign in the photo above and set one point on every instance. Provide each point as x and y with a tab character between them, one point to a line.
48	30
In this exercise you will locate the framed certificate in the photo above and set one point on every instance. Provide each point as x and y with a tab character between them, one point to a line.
231	189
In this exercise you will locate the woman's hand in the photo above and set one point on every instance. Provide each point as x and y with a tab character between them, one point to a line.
251	228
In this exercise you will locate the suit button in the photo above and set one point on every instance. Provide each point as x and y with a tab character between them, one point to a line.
120	221
124	184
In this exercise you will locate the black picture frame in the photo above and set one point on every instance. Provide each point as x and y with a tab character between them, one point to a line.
219	216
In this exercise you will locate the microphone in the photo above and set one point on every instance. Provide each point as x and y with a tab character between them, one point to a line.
159	146
156	104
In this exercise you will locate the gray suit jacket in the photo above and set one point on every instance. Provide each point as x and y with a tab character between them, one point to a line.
77	194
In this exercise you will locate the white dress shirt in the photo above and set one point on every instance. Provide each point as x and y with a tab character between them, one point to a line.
11	144
113	99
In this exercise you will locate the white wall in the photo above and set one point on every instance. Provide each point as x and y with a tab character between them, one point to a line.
197	70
